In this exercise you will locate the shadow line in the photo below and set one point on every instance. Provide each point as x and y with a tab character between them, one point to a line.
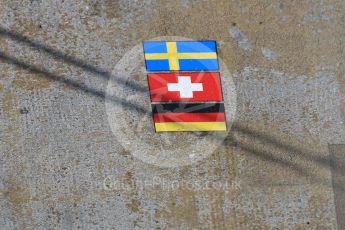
278	143
71	83
230	141
69	59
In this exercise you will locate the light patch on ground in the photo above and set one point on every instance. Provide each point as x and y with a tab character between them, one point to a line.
240	38
319	12
269	54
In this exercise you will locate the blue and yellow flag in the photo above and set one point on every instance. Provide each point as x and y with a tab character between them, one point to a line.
181	55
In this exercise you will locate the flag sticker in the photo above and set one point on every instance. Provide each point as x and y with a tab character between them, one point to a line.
187	96
181	55
185	86
189	117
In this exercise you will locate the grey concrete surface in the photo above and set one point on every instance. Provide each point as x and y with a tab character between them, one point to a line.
62	167
337	166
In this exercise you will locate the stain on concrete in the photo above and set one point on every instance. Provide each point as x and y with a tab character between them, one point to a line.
240	38
19	199
134	205
269	54
18	196
180	210
322	11
9	105
31	83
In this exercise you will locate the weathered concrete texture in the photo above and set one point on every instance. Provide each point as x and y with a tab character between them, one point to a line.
62	168
337	165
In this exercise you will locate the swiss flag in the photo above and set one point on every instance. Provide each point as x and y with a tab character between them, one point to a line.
185	86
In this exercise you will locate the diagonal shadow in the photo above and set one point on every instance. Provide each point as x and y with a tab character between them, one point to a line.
268	155
68	59
280	144
71	83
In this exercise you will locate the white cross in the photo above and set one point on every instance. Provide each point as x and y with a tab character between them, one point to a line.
185	87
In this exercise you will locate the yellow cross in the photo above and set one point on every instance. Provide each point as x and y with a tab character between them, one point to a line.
173	56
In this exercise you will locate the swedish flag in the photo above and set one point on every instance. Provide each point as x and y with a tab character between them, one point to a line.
181	55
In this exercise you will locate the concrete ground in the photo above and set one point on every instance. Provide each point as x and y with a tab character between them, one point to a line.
281	166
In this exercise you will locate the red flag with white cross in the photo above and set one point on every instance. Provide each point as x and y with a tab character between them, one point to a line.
185	86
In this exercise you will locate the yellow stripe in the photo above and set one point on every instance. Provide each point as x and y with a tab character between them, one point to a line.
160	56
190	126
172	56
209	55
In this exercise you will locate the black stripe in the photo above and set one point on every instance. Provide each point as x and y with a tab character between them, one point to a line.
188	108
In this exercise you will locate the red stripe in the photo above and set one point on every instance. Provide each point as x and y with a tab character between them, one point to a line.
188	117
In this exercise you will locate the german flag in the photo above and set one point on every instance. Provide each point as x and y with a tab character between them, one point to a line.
189	117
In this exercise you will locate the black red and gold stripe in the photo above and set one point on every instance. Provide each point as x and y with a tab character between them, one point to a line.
189	117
